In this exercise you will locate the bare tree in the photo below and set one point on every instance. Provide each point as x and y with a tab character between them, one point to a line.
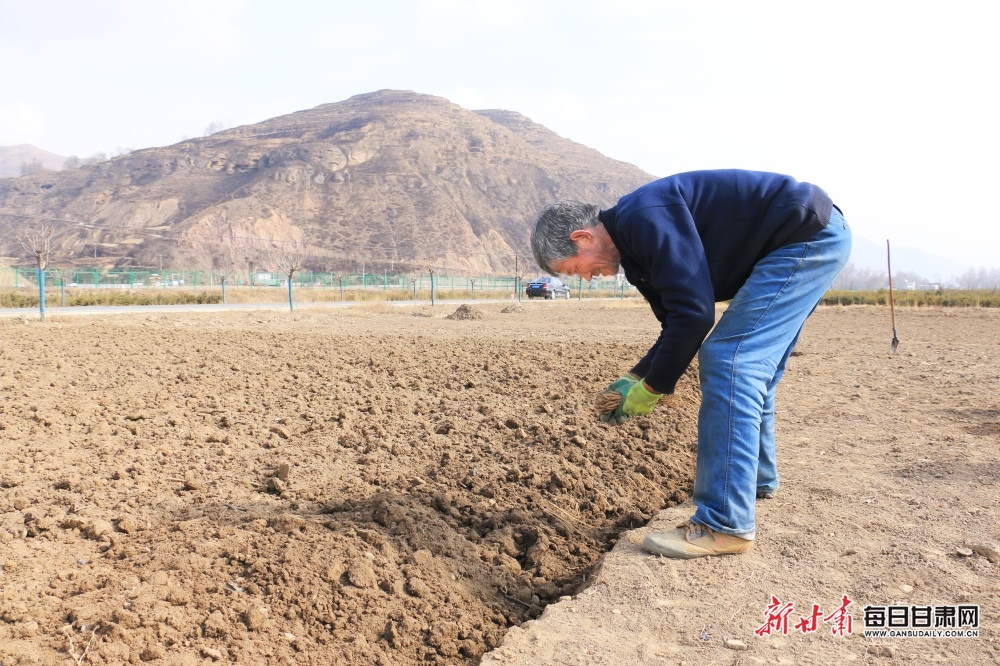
980	278
228	261
852	277
216	126
520	273
72	162
38	244
434	270
62	273
96	158
33	165
340	275
289	257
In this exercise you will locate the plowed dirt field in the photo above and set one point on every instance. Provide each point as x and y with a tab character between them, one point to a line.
406	485
374	485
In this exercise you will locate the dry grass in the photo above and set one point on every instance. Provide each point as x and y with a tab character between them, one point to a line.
27	296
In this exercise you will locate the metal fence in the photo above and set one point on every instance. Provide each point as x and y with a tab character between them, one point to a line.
128	278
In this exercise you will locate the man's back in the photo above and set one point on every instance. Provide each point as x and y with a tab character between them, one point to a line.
732	217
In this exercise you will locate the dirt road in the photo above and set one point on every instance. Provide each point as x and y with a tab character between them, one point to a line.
385	486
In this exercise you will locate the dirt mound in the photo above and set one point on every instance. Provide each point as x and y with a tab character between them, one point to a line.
465	312
514	308
368	490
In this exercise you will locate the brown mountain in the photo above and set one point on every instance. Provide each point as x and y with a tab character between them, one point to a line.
12	158
390	179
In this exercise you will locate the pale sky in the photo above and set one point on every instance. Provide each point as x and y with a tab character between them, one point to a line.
891	107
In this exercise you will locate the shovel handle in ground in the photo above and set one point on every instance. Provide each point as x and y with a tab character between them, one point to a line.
892	301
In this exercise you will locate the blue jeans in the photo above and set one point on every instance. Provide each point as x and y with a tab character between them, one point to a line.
740	364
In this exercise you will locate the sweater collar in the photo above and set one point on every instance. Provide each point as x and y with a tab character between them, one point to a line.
609	218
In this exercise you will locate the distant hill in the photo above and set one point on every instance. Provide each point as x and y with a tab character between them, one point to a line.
12	157
867	254
390	180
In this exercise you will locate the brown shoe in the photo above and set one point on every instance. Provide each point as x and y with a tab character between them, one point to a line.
694	540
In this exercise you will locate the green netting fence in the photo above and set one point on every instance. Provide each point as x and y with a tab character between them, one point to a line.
113	278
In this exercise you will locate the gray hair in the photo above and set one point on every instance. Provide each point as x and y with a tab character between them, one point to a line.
550	238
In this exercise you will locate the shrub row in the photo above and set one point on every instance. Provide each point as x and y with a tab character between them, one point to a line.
27	298
17	299
22	299
909	298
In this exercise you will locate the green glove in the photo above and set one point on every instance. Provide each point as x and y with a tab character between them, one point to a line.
620	386
640	401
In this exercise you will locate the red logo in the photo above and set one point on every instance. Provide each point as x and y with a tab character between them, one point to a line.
777	613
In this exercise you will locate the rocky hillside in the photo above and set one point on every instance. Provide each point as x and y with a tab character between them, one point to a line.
390	179
13	158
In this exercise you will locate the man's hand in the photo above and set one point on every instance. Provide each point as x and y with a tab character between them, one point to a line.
640	400
610	401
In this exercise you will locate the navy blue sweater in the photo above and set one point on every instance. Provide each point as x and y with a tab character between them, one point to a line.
692	239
